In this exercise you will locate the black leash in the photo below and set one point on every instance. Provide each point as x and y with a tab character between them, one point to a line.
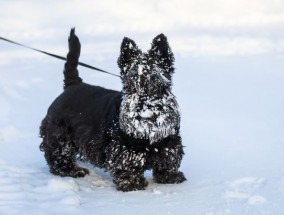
57	56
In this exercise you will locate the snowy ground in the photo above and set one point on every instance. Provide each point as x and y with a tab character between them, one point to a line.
231	98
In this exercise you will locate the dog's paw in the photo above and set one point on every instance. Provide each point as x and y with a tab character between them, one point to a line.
75	172
131	184
169	178
79	172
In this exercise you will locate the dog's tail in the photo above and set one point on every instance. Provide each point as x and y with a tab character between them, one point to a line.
71	75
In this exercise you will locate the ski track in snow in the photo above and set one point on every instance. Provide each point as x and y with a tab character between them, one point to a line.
245	189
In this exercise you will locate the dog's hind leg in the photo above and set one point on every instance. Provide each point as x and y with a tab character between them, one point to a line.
166	161
59	150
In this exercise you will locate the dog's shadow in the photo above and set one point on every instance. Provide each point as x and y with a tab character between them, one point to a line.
97	178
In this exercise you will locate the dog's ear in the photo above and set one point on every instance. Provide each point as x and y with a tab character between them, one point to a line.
161	50
128	53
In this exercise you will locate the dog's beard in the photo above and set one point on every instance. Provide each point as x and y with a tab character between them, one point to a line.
152	118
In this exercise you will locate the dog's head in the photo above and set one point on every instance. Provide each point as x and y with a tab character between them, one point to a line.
147	73
148	109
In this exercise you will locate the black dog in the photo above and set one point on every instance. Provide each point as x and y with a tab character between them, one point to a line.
124	132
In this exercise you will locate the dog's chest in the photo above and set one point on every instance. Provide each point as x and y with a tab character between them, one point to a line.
152	118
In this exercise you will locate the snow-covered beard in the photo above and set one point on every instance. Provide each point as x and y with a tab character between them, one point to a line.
149	117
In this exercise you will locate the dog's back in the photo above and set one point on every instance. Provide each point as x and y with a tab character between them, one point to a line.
80	99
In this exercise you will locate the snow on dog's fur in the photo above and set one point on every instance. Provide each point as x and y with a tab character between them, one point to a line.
124	132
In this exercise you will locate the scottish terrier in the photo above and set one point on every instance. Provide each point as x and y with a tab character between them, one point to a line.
124	132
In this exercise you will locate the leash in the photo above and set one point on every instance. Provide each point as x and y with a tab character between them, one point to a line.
57	56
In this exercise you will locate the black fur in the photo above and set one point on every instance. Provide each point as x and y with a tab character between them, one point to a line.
124	132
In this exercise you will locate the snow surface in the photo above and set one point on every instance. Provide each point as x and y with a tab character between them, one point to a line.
232	127
228	84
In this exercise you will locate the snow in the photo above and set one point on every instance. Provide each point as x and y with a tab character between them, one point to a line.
230	96
130	46
231	128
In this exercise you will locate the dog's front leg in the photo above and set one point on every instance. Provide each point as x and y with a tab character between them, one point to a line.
127	168
126	180
166	162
